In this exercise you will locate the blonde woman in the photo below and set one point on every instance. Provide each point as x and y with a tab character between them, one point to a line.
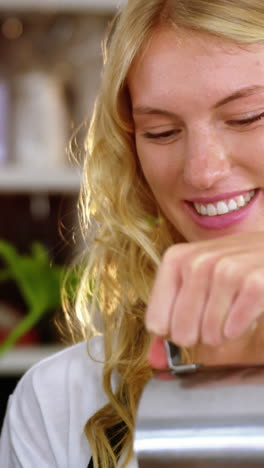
173	182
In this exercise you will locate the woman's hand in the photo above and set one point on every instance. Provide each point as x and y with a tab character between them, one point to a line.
206	292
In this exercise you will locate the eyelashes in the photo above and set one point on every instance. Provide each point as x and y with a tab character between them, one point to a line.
169	134
247	121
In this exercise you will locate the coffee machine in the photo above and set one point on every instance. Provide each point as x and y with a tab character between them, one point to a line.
197	416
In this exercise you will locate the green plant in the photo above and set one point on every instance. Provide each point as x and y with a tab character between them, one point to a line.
39	283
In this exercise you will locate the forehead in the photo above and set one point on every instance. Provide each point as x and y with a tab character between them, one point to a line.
194	62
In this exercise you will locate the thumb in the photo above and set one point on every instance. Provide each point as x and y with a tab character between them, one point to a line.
157	356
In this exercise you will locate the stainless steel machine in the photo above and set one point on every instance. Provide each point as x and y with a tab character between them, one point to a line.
202	417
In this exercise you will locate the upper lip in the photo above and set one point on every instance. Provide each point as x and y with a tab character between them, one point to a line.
221	196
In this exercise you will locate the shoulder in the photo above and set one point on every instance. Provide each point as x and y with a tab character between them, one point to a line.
53	401
82	359
59	381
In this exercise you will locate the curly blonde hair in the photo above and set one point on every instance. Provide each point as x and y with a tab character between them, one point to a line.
123	227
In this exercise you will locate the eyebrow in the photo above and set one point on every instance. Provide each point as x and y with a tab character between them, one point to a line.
241	93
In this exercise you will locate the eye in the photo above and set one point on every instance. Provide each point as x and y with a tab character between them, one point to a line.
162	135
249	121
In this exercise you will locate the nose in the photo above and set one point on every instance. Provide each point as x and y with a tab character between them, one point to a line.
206	160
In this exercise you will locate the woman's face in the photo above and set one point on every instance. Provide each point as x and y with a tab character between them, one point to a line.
198	109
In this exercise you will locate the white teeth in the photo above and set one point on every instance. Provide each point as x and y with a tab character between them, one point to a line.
203	210
223	207
197	207
211	210
247	197
232	205
241	201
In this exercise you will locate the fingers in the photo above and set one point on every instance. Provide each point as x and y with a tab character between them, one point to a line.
224	287
248	306
157	355
205	295
162	298
187	311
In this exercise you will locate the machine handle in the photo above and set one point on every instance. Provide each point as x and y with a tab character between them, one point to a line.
174	360
175	367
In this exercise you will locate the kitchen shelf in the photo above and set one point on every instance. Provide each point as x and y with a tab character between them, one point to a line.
21	358
15	179
97	6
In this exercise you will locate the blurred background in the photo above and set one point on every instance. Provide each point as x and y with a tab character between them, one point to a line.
49	72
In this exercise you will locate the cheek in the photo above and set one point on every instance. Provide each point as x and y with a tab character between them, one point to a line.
154	172
158	167
249	152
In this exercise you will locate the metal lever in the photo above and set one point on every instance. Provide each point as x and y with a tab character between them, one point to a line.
174	360
175	367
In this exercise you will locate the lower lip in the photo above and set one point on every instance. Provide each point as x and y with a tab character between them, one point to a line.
221	221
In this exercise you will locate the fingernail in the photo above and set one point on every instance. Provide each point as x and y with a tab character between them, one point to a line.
229	331
232	334
155	329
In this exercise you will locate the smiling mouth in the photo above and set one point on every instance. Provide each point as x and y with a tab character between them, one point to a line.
223	207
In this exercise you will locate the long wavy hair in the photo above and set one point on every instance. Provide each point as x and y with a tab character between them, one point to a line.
123	229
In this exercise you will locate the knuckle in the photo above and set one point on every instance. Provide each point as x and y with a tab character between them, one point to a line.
170	255
225	270
198	265
175	253
254	283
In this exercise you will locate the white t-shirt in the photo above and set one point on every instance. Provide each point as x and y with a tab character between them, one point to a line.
46	414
